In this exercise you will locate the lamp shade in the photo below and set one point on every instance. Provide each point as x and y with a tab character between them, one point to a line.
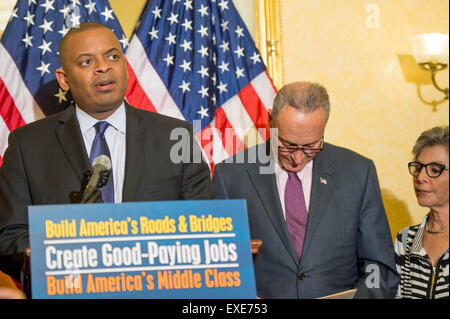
430	47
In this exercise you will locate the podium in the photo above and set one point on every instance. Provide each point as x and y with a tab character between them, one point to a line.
141	250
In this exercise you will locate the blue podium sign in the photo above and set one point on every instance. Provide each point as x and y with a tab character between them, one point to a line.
179	249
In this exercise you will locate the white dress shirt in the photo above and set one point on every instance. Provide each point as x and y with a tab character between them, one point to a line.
115	136
305	176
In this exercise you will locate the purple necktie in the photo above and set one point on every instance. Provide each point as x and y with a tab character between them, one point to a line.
100	147
296	212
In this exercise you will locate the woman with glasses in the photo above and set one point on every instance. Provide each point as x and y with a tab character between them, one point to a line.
422	250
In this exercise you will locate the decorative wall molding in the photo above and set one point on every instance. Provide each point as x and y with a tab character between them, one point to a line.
268	29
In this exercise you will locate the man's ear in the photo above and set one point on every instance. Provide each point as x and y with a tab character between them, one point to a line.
62	79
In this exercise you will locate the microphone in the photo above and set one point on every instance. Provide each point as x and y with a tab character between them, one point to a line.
100	166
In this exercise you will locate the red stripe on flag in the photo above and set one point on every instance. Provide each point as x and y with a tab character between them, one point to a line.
135	95
254	107
8	110
230	140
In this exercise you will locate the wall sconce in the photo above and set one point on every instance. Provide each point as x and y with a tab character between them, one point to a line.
431	53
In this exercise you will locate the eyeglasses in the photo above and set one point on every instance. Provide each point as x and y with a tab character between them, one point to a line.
433	170
308	151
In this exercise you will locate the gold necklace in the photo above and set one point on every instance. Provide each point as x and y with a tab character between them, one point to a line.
436	232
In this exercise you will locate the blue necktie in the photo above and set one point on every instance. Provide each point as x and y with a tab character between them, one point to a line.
296	212
100	147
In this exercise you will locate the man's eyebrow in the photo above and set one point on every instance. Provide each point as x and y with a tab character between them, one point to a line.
84	55
90	54
286	142
111	50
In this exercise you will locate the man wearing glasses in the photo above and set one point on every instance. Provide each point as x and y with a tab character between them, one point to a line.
318	212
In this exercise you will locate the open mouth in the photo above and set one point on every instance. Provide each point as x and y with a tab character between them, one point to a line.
104	85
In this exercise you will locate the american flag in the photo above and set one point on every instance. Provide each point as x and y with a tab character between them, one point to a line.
29	57
195	60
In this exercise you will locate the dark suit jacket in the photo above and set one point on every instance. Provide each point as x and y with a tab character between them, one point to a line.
45	162
347	229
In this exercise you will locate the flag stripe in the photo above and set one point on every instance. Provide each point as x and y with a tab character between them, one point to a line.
219	151
18	91
8	111
138	97
263	86
150	81
238	116
4	132
211	142
254	106
231	139
205	140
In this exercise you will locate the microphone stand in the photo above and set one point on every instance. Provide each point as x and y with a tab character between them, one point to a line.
93	198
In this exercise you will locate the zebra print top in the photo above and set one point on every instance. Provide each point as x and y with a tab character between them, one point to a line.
418	278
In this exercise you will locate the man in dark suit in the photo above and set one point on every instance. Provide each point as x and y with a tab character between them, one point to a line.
316	207
46	161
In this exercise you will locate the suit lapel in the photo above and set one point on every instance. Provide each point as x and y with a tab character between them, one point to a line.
135	150
323	184
267	190
72	143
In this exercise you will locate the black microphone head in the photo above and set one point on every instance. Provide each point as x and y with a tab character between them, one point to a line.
103	161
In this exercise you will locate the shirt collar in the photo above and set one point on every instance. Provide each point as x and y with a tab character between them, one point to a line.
416	248
308	167
117	119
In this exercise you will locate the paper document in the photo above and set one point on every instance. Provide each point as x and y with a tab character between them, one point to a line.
348	294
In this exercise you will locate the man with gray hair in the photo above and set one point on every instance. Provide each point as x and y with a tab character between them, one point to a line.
318	212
